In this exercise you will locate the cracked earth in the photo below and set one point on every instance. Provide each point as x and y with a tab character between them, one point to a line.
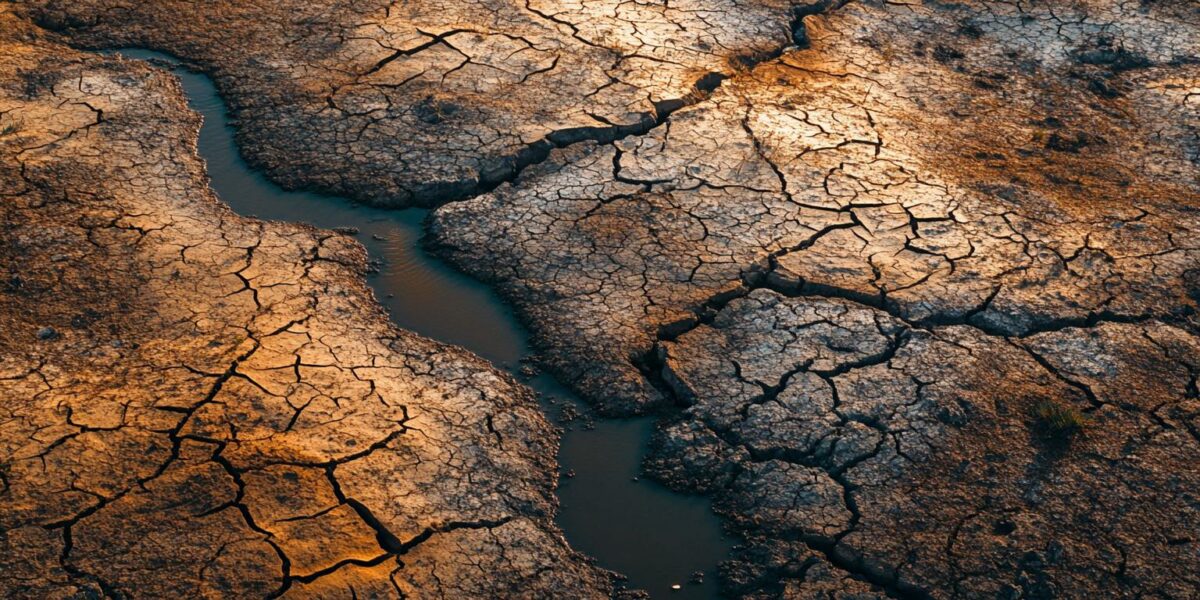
848	252
200	404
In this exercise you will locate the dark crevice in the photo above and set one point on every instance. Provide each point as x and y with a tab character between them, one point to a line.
798	29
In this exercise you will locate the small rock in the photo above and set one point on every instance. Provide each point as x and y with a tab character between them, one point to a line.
569	413
47	333
1004	527
377	237
346	230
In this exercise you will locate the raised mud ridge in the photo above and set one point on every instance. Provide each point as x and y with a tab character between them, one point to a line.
916	299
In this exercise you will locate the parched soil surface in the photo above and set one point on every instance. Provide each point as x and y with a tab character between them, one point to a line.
877	275
916	296
401	103
197	404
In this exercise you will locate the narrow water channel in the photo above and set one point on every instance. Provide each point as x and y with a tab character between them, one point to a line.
653	536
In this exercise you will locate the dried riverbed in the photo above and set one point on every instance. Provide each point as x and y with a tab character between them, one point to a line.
913	288
653	536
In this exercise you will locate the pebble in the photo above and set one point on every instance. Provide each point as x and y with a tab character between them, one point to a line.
47	333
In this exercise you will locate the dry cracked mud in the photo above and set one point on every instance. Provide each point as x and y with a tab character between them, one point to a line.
198	404
916	297
864	269
399	103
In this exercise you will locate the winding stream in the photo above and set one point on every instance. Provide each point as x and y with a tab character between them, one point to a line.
640	529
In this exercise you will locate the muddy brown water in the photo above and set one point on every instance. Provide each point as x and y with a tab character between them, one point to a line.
655	537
